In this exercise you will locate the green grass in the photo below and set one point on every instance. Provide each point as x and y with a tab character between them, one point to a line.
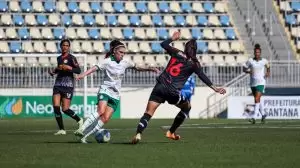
204	143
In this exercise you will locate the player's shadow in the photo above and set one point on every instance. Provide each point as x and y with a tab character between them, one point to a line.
62	142
130	143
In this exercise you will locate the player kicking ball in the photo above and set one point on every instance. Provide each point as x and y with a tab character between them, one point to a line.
169	84
259	70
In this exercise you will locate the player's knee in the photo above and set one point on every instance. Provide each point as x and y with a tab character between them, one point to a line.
186	108
104	119
68	112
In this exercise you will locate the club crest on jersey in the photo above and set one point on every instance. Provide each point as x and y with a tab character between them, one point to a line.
65	61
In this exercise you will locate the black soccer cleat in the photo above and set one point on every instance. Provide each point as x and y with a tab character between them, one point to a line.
263	119
252	121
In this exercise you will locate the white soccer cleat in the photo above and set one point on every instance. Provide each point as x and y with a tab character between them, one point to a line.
80	123
83	140
137	138
79	133
60	132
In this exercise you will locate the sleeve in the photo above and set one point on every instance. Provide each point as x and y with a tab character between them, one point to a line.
247	64
170	50
199	71
129	64
101	65
75	66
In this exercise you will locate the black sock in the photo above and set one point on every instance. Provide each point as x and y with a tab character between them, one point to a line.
143	123
72	114
58	117
177	121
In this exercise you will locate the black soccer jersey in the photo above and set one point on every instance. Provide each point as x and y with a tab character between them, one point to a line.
65	78
179	69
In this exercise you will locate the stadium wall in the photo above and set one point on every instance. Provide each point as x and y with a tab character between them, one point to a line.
37	103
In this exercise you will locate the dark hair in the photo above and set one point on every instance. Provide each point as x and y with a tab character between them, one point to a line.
112	45
64	40
257	46
190	50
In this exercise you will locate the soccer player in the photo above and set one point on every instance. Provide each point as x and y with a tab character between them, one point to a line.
169	84
109	93
63	88
259	70
189	88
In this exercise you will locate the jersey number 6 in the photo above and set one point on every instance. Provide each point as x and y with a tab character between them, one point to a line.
173	68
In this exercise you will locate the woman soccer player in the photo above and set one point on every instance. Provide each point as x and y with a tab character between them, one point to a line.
259	69
109	93
64	85
170	83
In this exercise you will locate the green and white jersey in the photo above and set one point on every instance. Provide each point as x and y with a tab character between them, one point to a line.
258	68
114	73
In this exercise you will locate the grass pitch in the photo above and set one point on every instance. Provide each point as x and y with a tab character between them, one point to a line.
204	144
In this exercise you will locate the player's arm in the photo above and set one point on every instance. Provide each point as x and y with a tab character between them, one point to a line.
73	68
54	71
206	80
166	44
246	68
268	70
86	73
145	68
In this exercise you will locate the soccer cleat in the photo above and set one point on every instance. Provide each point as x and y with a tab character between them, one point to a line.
172	136
79	133
80	123
83	140
136	139
60	132
263	119
252	121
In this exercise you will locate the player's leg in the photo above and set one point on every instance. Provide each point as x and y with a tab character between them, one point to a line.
185	108
66	102
150	110
261	90
58	116
252	115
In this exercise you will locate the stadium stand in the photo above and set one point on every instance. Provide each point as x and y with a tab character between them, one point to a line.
32	26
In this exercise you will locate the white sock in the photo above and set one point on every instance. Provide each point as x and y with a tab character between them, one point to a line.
256	110
96	128
90	121
261	110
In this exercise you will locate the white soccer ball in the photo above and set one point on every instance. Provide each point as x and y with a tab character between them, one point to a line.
102	136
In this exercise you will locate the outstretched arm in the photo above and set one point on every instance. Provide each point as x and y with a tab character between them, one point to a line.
86	73
144	68
166	44
268	71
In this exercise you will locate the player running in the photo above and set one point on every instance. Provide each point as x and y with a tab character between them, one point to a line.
169	84
63	88
259	70
109	93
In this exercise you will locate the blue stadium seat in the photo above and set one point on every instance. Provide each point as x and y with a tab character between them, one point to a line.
95	7
89	20
157	20
66	20
141	7
128	33
23	33
290	19
112	20
230	34
197	34
58	33
106	46
135	20
180	20
73	7
15	47
224	20
202	20
162	34
42	20
3	6
118	7
186	7
18	20
94	33
50	6
26	6
202	47
156	48
164	7
208	7
295	6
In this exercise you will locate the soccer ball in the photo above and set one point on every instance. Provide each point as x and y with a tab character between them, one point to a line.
102	136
